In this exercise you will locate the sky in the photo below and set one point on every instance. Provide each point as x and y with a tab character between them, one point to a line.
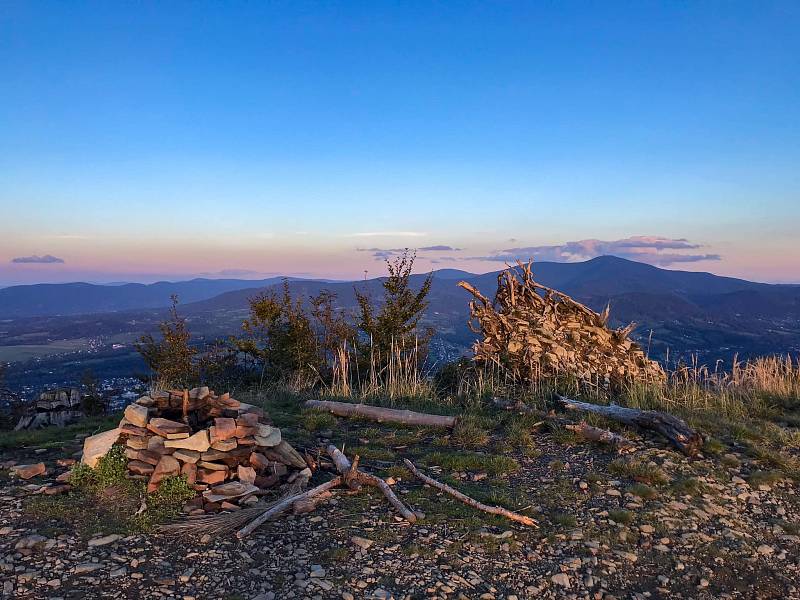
146	141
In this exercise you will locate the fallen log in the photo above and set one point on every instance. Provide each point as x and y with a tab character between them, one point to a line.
680	435
380	414
494	510
285	504
354	478
604	436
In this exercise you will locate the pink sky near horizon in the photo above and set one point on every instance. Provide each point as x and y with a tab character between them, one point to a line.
305	255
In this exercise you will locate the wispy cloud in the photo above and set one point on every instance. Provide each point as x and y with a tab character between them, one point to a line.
439	249
368	234
47	259
653	250
384	253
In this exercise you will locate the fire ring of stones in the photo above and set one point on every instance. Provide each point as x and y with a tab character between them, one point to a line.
227	450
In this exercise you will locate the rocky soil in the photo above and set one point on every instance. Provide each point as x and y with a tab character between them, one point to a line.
656	525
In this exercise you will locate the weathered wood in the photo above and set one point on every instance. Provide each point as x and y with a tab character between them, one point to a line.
683	437
532	332
285	504
352	475
604	436
380	414
494	510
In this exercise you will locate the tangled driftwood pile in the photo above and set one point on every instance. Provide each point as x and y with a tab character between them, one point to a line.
538	332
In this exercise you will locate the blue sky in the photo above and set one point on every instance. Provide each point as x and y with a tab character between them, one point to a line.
147	140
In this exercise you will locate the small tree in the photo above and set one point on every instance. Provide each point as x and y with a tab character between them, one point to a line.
92	400
394	327
278	337
171	359
332	327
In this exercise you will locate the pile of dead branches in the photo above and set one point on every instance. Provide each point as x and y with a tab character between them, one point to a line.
536	332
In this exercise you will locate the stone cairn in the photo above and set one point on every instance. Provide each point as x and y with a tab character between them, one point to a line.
536	332
226	449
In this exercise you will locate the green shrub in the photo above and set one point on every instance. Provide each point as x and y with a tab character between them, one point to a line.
638	470
166	502
111	470
643	491
315	420
620	516
469	432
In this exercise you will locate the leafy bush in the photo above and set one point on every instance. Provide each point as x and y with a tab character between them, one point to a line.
111	470
166	502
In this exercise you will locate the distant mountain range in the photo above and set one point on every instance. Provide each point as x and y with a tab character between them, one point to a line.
51	299
687	312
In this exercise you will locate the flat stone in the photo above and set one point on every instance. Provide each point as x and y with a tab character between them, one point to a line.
87	567
259	461
166	467
246	474
104	541
211	477
140	468
30	542
247	420
225	445
165	427
268	436
561	579
361	542
227	491
198	442
131	429
224	428
137	443
211	466
97	446
137	414
28	471
186	456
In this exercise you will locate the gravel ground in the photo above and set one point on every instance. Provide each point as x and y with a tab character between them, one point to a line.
705	528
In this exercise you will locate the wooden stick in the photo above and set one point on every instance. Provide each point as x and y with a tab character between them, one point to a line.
353	475
674	429
185	406
380	414
595	434
285	504
494	510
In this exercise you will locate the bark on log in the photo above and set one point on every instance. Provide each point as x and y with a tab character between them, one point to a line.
285	504
604	436
351	476
674	429
494	510
380	414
